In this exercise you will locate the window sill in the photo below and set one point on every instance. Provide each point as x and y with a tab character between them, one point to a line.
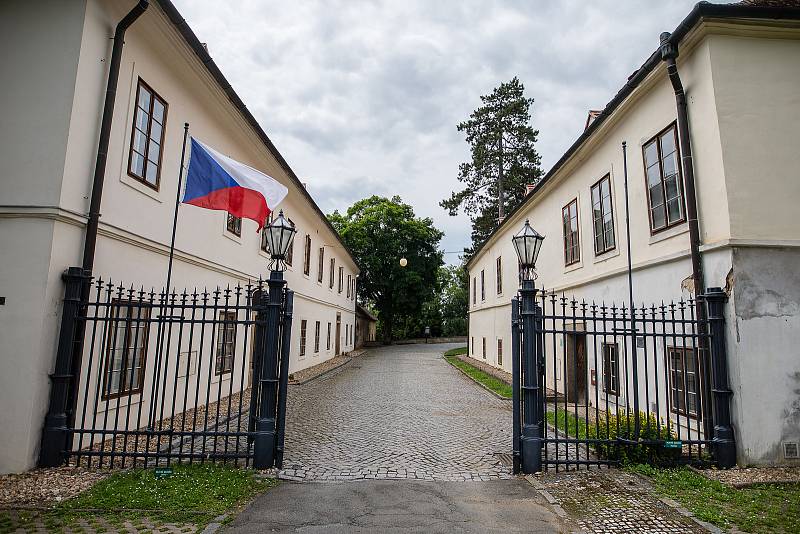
663	235
573	267
140	187
233	237
605	256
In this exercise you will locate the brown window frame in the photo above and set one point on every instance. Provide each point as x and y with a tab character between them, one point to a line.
474	290
572	239
662	180
328	341
483	285
307	255
499	274
233	224
332	273
598	187
153	97
224	326
500	351
684	351
303	328
610	369
116	306
321	265
349	285
484	348
341	279
316	337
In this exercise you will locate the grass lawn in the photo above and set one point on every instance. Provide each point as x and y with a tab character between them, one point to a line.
756	509
568	423
492	383
194	495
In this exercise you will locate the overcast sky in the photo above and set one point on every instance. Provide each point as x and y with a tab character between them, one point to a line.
363	98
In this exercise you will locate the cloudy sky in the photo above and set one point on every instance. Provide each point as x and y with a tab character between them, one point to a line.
363	97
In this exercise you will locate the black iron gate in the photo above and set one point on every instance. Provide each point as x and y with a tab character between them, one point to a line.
145	378
597	384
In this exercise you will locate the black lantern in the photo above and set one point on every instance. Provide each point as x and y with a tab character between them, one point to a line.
527	243
280	235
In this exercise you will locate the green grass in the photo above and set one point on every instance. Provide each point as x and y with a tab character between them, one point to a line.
568	423
193	495
492	383
758	508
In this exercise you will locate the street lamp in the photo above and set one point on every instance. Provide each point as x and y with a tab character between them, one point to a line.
527	437
280	235
527	243
403	262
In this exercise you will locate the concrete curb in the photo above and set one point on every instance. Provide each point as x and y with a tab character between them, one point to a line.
324	373
475	381
215	524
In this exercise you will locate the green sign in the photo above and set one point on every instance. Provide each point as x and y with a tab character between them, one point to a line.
163	472
673	444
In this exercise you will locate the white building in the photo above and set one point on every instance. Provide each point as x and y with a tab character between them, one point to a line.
54	72
740	66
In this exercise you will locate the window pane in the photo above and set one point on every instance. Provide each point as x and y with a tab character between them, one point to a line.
155	132
139	141
137	164
605	188
653	175
670	167
667	143
674	210
650	154
142	119
595	196
656	196
153	151
158	111
659	218
152	172
144	97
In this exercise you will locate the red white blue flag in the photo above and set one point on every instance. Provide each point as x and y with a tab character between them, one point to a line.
215	181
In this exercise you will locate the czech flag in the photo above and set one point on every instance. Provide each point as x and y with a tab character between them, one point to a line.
217	182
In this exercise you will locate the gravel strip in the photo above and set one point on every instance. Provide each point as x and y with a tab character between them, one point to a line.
747	476
309	373
46	487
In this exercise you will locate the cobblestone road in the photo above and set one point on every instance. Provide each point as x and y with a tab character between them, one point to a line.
398	412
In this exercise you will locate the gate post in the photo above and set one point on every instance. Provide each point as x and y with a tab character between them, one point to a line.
723	443
55	435
515	379
286	344
531	393
267	336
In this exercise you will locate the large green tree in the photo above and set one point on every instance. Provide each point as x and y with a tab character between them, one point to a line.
379	232
454	300
504	159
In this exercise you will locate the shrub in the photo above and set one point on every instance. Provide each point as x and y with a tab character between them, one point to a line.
622	426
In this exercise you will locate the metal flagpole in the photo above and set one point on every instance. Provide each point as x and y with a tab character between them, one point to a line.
177	203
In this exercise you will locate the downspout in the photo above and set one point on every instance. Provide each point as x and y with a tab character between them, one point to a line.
90	240
669	51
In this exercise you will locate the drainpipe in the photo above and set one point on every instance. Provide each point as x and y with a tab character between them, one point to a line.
105	132
669	51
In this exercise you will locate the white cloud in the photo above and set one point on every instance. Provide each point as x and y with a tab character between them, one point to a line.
363	97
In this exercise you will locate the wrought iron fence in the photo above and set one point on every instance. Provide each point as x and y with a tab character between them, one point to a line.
156	377
609	384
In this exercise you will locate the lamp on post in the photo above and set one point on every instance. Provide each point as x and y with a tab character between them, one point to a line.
279	236
527	243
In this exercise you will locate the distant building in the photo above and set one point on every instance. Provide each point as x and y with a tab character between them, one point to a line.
740	66
54	84
366	325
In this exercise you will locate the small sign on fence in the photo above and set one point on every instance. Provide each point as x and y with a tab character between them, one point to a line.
674	444
163	472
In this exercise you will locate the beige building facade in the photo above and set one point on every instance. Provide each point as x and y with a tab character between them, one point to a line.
54	86
741	71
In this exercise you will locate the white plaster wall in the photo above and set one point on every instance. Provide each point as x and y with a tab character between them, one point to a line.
54	105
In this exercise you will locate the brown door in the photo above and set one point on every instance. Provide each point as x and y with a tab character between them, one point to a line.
576	368
338	332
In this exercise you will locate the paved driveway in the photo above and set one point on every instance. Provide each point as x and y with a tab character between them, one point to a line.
398	412
397	441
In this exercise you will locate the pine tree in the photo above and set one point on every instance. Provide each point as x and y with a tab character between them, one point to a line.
504	160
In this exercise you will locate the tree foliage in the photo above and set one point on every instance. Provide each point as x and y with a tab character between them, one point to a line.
379	231
500	136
